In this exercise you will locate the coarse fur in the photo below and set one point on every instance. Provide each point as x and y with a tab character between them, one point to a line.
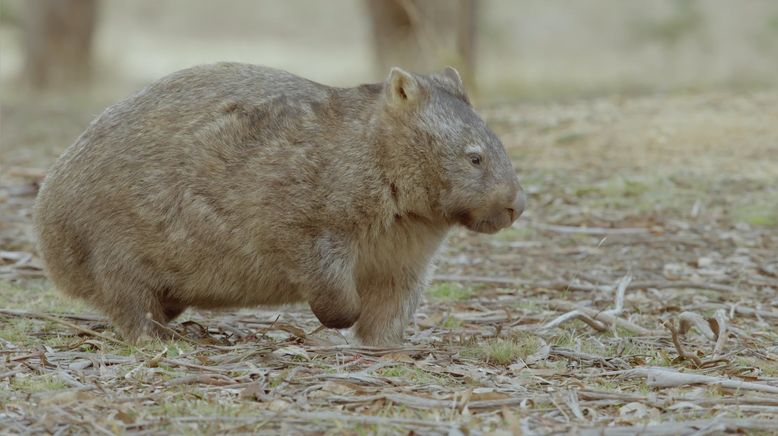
233	185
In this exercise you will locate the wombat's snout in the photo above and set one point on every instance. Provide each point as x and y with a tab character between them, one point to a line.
519	203
504	212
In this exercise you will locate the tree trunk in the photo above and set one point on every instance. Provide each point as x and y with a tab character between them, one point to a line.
424	35
396	33
58	41
466	31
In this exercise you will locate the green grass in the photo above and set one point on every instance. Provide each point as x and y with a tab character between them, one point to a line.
38	383
19	332
768	367
570	138
447	291
412	374
154	347
640	192
451	323
38	296
504	351
758	214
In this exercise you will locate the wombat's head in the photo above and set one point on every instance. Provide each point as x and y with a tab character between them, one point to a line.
473	182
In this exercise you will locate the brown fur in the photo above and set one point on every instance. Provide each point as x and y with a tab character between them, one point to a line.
234	185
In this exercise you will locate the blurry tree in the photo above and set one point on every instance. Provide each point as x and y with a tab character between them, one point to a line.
424	35
58	41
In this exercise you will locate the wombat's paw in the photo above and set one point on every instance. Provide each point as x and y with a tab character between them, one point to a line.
336	315
149	335
148	330
378	331
378	340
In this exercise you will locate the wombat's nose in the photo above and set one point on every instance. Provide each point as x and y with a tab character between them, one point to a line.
518	205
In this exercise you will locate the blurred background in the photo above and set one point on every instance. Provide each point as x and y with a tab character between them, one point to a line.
510	49
63	61
638	87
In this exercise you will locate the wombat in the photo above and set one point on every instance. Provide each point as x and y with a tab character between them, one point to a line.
234	185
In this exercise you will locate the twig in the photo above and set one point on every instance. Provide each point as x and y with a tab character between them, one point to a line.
739	310
721	334
174	362
429	403
206	379
625	397
684	284
720	425
688	319
562	285
670	325
559	285
590	230
36	174
69	380
621	288
309	417
366	350
581	356
604	317
667	378
574	314
9	373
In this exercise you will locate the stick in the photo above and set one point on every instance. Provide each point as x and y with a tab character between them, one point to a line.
590	230
604	317
620	290
721	339
679	347
667	378
720	425
574	314
568	286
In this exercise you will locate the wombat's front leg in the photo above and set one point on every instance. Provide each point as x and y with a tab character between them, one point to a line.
386	311
330	288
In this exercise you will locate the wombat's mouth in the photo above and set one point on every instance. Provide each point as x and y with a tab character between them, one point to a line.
488	226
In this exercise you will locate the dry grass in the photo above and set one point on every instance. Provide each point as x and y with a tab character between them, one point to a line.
524	331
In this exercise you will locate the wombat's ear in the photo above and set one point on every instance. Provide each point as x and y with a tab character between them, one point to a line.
453	76
401	87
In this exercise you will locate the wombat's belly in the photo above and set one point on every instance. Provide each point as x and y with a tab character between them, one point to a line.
213	269
221	290
185	252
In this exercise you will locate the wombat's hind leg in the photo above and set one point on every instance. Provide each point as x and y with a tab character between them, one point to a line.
171	306
136	311
172	311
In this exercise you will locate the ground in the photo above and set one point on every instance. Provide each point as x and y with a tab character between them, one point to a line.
639	293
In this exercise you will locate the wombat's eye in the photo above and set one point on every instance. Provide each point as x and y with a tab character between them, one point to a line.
475	159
